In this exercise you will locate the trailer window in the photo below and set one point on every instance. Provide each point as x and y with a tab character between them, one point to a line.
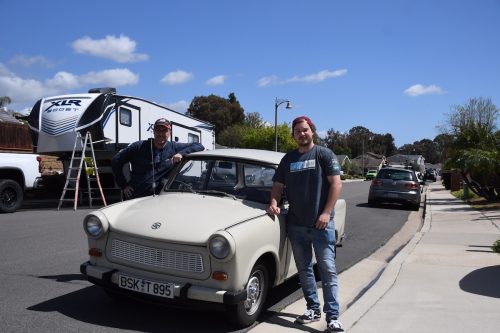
125	117
192	138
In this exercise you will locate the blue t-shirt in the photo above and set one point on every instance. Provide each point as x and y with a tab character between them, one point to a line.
306	184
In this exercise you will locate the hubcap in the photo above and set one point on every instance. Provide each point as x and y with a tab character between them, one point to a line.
254	293
8	197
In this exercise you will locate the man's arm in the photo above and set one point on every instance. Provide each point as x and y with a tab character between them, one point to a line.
187	148
183	149
276	192
117	163
335	187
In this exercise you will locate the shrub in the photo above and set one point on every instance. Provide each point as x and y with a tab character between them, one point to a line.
496	246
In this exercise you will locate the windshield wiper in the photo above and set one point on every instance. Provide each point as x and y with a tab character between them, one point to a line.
183	186
218	193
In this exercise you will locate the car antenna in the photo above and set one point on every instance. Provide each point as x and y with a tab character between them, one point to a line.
153	185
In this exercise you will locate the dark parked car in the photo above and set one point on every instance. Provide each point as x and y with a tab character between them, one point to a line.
395	185
430	174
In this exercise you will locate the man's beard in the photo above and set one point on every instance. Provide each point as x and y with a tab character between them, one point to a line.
304	142
160	143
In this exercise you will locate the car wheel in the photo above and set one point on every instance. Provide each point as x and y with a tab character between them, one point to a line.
11	196
372	202
246	312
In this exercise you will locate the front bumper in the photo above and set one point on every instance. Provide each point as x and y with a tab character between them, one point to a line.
108	278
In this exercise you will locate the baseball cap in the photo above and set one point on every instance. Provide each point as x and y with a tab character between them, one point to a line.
162	122
301	119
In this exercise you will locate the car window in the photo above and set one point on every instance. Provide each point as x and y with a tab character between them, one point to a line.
222	174
191	176
240	180
395	175
258	175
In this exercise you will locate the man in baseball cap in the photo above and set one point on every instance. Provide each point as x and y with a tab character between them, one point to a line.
151	161
162	122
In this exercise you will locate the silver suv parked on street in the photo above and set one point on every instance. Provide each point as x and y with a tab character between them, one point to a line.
395	185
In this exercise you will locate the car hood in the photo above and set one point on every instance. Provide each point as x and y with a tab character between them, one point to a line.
183	217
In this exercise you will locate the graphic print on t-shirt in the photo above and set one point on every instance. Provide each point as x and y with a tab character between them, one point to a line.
302	165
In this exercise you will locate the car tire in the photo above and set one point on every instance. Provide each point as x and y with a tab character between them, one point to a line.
245	313
372	203
11	196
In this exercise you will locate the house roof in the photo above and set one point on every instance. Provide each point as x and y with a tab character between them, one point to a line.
342	158
401	158
369	160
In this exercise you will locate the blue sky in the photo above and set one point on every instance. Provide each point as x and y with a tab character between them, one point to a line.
392	66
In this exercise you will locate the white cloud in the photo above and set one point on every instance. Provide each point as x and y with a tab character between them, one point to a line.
418	90
28	61
177	77
27	91
267	81
216	80
312	78
120	49
4	71
111	77
62	79
179	106
318	77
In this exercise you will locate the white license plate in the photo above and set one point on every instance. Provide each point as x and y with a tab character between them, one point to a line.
146	286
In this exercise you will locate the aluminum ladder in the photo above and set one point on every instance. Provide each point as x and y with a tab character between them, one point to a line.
78	162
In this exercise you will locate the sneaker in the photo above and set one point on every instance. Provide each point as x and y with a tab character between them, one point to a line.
309	316
334	325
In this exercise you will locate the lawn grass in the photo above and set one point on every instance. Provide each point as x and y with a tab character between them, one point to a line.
477	202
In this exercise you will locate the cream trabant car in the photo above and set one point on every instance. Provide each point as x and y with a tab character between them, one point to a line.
205	237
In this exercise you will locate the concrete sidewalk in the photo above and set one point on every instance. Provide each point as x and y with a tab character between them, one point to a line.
445	279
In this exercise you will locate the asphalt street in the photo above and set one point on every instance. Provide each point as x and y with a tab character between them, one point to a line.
43	290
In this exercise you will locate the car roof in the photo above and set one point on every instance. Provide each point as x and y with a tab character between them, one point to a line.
400	169
258	155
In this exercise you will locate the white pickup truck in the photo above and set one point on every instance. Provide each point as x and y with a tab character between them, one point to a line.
18	172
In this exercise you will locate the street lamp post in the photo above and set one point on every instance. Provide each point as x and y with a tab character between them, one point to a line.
277	103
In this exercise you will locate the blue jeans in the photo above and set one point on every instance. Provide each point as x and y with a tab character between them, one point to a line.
304	240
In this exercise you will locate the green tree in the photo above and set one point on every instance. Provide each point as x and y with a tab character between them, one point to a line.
425	147
244	136
475	149
232	136
218	111
442	141
358	140
253	119
337	142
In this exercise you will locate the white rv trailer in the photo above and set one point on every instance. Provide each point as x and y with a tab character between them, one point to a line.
114	121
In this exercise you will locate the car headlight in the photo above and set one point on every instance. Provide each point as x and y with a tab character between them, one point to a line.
221	246
95	225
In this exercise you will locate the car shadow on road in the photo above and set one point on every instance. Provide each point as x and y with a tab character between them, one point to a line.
385	206
91	305
482	281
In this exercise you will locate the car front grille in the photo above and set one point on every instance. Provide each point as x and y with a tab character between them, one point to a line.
158	258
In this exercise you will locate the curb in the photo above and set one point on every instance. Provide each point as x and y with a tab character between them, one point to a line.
386	277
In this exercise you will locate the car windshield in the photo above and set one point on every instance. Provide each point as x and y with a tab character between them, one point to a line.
219	177
395	175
